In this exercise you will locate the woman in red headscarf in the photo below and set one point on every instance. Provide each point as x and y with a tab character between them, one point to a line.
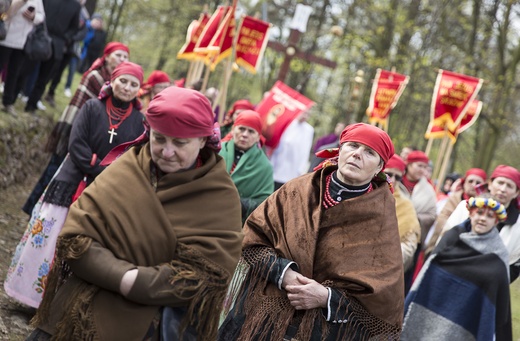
156	82
473	178
93	79
148	250
102	123
247	163
323	252
231	115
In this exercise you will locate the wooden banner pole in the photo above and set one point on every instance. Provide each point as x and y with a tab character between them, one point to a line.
429	147
442	174
438	161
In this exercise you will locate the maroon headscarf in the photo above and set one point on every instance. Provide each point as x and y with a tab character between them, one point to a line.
180	112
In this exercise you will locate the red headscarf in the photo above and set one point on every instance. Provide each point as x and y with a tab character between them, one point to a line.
241	104
115	46
417	156
128	68
109	48
507	172
371	136
367	134
475	171
157	77
396	162
181	112
249	118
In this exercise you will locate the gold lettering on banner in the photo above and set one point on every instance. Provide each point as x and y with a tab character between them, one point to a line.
454	94
248	41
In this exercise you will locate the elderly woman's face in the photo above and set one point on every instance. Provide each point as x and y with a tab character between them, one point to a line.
116	58
416	170
470	183
358	163
172	154
125	87
245	137
159	87
503	189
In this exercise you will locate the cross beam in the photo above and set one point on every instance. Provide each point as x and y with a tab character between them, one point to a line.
291	51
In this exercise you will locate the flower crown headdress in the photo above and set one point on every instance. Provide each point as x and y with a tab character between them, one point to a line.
494	205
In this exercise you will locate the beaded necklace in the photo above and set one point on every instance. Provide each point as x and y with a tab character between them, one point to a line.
116	114
329	201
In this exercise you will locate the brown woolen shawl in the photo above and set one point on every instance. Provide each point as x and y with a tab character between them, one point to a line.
122	211
354	247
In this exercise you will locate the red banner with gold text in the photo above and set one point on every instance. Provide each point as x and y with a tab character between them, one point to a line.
253	35
472	114
452	96
278	109
386	91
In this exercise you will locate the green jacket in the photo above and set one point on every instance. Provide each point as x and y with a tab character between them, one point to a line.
253	176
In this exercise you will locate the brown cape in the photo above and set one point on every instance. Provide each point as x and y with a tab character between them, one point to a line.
198	209
353	246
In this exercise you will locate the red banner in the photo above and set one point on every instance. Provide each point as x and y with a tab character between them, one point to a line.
451	96
472	113
252	40
210	30
278	109
195	29
222	42
386	91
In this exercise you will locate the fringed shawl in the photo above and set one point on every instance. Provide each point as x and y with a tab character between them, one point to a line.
147	227
353	247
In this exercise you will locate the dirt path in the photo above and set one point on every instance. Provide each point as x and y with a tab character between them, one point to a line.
14	318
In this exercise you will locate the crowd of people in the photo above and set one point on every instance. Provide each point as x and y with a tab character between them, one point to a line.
153	222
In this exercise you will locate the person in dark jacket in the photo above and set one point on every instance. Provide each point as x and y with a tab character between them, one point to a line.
62	20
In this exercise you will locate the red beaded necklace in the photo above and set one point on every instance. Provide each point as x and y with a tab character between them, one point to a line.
328	200
116	114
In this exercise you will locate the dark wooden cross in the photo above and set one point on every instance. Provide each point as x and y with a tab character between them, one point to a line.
291	51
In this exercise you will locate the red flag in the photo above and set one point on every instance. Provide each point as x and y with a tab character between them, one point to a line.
222	42
386	91
278	109
451	98
209	31
474	109
253	35
195	29
472	114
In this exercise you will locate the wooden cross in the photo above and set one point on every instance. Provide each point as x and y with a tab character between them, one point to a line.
291	51
112	134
